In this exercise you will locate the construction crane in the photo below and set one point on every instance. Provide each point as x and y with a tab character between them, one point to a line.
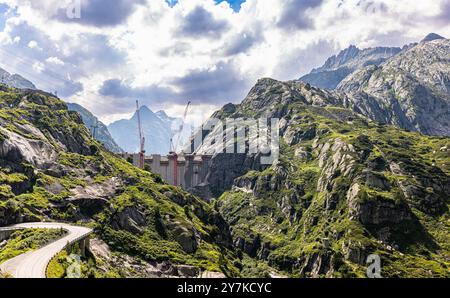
179	131
141	163
174	147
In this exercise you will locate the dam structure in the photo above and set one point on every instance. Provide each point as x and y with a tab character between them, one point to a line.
184	170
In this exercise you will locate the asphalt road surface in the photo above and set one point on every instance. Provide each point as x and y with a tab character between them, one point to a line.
33	264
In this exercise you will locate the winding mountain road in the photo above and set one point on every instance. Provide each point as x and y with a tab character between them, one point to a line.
33	264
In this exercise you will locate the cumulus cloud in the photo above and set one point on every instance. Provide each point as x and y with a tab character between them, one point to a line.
235	4
207	51
444	15
297	14
38	67
120	89
54	60
218	84
242	42
33	45
215	85
201	23
99	13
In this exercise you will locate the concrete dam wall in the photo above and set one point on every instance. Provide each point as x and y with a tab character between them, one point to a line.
183	170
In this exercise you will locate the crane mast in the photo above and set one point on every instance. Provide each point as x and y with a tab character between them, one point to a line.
175	146
141	163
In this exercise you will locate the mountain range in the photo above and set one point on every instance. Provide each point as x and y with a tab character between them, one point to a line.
346	185
406	87
411	90
340	66
158	129
363	170
122	135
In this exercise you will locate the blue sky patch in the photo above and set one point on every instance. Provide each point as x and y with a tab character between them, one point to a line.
3	9
235	4
171	2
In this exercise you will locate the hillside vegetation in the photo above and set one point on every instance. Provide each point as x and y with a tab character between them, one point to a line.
52	169
344	188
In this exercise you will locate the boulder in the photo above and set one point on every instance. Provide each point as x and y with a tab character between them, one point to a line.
130	219
377	180
187	271
295	135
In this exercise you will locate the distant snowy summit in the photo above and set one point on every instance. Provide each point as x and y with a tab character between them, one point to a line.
158	130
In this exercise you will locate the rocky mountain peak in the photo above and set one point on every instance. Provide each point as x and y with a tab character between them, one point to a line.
431	37
338	67
410	90
146	111
266	81
338	60
146	115
15	80
158	129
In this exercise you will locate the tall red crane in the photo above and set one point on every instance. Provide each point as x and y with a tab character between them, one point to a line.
141	163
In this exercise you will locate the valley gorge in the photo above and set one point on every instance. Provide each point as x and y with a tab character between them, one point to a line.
364	169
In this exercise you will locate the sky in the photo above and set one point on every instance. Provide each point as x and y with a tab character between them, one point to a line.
211	52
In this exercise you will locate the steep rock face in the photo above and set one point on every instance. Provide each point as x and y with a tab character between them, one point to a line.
97	128
343	188
35	130
411	90
16	148
226	168
317	216
267	99
338	67
268	95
